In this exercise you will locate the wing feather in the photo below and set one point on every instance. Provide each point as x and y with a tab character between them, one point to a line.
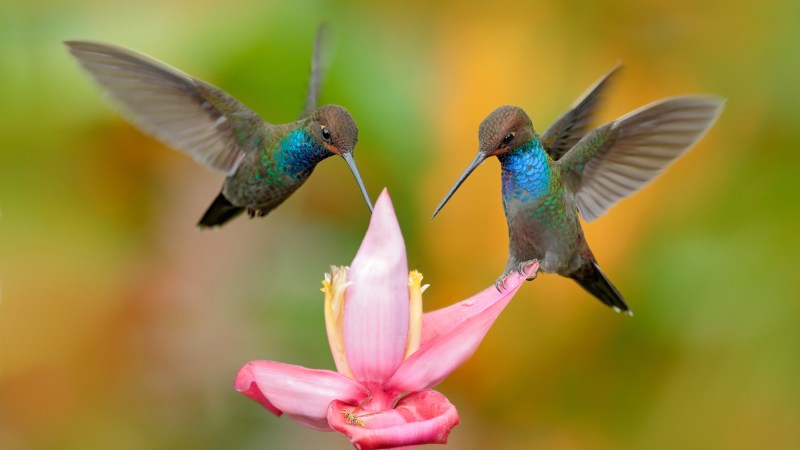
320	59
183	112
617	159
568	129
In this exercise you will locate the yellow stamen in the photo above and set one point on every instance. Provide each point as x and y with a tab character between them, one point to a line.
333	286
414	311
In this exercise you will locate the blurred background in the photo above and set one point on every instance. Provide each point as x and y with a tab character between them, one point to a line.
122	325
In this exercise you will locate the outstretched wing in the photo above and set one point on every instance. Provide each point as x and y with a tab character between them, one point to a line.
616	159
319	63
565	132
183	112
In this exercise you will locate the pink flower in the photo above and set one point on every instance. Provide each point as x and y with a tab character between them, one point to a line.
388	355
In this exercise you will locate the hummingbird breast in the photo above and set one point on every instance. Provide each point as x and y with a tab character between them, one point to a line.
542	217
269	176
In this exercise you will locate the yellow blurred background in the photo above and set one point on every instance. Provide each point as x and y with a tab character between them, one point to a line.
122	325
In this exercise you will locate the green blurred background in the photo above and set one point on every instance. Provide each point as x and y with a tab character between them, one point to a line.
122	325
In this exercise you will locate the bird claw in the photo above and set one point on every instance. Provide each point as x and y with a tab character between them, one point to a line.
253	212
523	266
520	269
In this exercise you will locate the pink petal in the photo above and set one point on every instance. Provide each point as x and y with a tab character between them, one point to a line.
452	334
424	417
443	320
303	394
376	303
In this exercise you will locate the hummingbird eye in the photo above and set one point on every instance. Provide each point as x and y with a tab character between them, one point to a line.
509	137
326	133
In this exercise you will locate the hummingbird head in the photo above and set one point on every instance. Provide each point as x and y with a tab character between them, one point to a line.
335	129
504	129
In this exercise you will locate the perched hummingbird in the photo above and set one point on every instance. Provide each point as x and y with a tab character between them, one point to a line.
264	163
547	181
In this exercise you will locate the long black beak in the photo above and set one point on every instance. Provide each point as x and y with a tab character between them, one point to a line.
479	158
351	163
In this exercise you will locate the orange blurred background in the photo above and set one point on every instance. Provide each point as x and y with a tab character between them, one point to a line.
122	325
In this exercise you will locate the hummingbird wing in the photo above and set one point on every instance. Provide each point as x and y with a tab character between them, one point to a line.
616	159
319	64
565	132
184	112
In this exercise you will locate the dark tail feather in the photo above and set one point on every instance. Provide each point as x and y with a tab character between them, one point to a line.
220	211
591	278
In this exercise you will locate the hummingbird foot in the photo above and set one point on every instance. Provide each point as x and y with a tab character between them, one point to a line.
254	212
520	268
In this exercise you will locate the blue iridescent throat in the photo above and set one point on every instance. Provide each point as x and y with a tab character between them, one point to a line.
298	153
525	172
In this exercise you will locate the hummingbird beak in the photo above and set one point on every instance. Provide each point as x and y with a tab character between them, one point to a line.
351	163
479	158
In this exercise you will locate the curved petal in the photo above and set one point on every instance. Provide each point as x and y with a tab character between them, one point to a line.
452	334
424	417
443	321
376	305
303	394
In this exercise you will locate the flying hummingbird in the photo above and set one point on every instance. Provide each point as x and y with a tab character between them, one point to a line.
264	163
548	180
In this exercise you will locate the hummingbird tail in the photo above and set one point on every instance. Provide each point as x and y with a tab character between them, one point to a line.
591	278
220	211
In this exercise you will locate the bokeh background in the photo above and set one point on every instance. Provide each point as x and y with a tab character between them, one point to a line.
122	325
